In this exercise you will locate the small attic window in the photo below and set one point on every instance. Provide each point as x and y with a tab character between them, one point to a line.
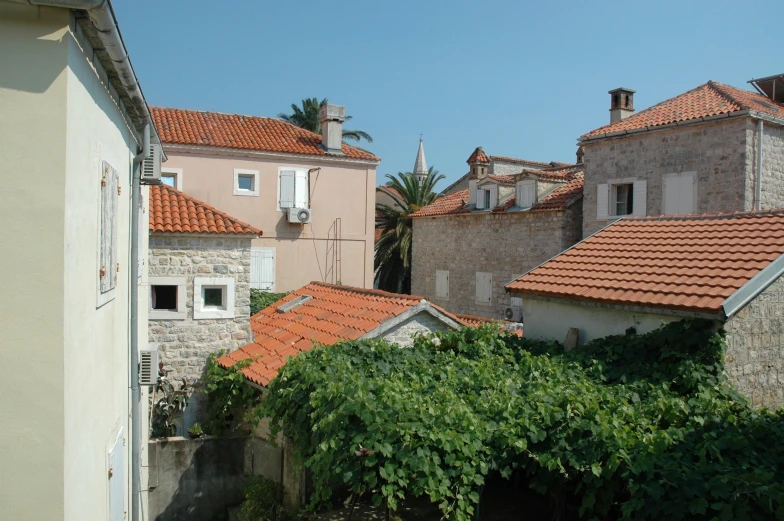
291	304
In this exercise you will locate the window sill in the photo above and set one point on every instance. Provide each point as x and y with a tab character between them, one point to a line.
167	315
213	314
246	193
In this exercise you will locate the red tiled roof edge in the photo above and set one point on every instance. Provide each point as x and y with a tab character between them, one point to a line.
182	222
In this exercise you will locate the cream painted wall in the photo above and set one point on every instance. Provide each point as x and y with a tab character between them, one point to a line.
96	337
339	190
550	320
33	52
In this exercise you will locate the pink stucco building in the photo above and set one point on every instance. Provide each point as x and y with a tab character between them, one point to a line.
313	196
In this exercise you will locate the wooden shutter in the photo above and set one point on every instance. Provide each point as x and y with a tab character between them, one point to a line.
484	287
640	198
670	203
262	269
527	195
302	189
493	196
602	202
116	475
107	271
287	188
442	284
480	199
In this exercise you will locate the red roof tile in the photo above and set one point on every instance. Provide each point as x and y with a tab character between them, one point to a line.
448	204
505	159
335	313
214	129
175	212
502	179
691	263
478	156
707	100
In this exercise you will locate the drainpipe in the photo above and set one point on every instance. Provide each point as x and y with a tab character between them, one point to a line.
760	126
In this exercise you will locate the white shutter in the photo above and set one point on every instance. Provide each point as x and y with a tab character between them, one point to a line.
107	271
442	284
671	186
493	196
640	198
262	269
116	475
686	192
484	287
527	195
302	189
286	187
480	199
602	202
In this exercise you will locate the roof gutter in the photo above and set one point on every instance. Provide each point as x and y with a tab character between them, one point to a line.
104	24
756	285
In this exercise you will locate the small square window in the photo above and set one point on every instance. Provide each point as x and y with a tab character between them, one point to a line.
245	182
213	298
164	297
169	180
172	177
623	199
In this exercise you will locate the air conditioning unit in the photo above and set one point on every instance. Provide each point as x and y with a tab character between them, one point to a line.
148	365
299	215
151	166
513	314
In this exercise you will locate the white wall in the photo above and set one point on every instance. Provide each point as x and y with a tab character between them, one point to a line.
550	320
96	337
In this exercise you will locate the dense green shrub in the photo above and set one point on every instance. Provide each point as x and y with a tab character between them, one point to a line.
261	299
263	501
229	397
630	426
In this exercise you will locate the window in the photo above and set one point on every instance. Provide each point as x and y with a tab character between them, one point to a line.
246	182
680	194
293	188
167	298
213	298
620	197
108	266
484	288
262	269
172	177
526	194
622	202
484	199
442	284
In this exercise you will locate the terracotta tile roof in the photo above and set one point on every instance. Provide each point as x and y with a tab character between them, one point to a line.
478	156
558	173
448	204
562	196
502	179
707	100
525	161
335	313
692	263
175	212
214	129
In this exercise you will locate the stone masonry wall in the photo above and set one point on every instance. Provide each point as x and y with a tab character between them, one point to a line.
772	165
754	359
186	344
421	323
504	244
716	151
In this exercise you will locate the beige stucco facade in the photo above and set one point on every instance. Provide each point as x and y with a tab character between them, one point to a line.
336	247
64	361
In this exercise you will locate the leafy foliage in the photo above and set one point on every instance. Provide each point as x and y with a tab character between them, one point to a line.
308	118
627	427
263	501
171	403
229	396
261	299
393	248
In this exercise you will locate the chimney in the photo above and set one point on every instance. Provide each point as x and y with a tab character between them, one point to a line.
580	154
332	118
621	104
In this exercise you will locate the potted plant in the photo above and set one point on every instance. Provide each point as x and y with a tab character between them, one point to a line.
170	404
196	431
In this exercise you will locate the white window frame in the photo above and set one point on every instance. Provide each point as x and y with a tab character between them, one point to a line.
444	295
479	300
264	249
244	172
518	195
299	174
177	176
164	314
665	177
200	312
109	258
639	198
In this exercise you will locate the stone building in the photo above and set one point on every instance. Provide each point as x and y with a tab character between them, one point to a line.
322	313
698	152
199	280
468	244
642	272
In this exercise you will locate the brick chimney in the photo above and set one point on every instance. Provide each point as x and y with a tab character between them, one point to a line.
621	104
332	118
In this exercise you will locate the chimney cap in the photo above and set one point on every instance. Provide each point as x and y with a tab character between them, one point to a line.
329	112
621	89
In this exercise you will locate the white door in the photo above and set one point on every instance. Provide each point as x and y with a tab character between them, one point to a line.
117	481
262	269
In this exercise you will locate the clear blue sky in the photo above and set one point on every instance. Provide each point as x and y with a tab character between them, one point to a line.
521	79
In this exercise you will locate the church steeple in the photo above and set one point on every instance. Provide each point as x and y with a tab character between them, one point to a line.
420	166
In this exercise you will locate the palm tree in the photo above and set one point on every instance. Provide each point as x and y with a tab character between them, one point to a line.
307	117
393	249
